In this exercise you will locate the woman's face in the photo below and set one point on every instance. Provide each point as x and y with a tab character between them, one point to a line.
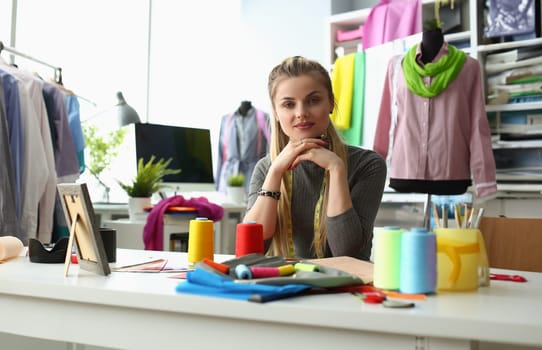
302	107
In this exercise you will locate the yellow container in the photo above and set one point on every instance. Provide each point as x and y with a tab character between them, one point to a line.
461	259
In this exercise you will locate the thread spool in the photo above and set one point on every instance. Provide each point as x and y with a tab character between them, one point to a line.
387	257
200	241
418	262
306	267
263	272
242	272
248	239
271	271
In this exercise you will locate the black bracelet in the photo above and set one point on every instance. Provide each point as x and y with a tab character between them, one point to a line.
265	193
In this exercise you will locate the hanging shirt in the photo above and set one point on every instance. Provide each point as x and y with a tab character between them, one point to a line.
74	120
8	214
66	162
243	141
392	19
446	137
15	134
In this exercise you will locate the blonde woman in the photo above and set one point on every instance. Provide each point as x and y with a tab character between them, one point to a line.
314	195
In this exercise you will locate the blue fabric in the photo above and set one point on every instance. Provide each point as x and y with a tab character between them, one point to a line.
74	121
208	283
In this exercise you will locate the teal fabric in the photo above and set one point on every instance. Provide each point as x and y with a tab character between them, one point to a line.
354	135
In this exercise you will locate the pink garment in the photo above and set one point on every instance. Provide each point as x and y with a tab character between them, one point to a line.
392	19
153	232
446	137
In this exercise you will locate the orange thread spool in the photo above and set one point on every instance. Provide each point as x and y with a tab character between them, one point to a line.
248	239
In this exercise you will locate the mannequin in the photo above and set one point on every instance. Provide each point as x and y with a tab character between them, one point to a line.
242	142
244	108
432	41
434	133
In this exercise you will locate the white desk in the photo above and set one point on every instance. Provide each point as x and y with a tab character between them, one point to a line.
143	311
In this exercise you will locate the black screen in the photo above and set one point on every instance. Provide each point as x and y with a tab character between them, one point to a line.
189	148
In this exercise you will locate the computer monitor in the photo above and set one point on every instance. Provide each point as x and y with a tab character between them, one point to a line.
189	149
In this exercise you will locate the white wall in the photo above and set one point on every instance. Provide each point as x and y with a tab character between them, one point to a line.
206	56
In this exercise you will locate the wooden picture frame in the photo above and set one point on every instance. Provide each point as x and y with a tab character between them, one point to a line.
84	232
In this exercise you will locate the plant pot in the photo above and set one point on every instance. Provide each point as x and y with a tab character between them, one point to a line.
236	194
136	207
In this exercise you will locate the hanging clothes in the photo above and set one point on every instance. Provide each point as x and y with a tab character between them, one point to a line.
12	110
33	154
66	162
35	170
40	193
243	141
8	213
342	80
436	144
348	80
390	20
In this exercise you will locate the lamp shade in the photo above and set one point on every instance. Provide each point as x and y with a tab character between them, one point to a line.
125	113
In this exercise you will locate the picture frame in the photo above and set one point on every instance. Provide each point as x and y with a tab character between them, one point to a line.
81	220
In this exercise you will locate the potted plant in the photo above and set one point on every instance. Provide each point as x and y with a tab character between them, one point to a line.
235	188
148	180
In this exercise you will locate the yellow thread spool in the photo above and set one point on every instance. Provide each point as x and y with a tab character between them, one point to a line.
200	241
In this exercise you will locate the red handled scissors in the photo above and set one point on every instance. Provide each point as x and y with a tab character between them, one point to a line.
503	277
371	297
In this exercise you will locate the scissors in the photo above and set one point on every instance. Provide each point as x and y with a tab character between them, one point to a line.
503	277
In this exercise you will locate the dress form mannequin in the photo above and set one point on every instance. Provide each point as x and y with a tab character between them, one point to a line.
432	41
244	108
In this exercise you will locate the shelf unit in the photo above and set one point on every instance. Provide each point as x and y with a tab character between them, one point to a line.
518	161
509	200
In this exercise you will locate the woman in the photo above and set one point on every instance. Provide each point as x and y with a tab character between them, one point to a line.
314	195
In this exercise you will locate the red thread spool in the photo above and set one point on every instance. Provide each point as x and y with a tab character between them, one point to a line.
248	239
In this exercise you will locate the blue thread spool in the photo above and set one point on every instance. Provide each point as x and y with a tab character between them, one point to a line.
242	272
418	262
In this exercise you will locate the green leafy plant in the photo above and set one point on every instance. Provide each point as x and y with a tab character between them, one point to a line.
148	179
102	149
236	180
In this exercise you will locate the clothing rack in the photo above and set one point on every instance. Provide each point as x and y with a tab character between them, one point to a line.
57	70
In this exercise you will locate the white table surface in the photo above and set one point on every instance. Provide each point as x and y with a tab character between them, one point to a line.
142	310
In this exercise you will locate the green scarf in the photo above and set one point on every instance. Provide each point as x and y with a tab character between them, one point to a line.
445	71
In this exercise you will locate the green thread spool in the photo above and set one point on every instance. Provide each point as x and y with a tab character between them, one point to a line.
387	257
306	267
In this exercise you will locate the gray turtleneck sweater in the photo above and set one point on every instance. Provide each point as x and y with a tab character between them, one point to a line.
349	233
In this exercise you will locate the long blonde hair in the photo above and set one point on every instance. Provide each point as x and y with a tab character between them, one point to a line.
294	67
